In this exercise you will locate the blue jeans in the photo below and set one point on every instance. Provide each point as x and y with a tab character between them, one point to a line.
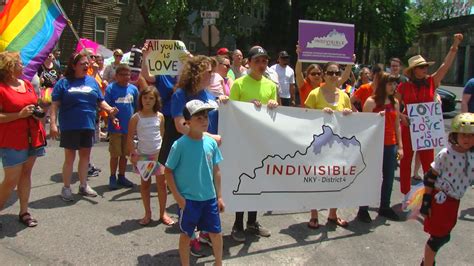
388	170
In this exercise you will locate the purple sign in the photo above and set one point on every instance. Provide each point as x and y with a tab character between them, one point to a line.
322	42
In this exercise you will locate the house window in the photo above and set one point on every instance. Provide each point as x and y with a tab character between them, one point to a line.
101	30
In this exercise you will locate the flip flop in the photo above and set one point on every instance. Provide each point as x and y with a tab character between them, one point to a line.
27	220
338	221
168	222
144	222
314	221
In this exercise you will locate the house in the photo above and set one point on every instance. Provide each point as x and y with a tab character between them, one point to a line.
113	23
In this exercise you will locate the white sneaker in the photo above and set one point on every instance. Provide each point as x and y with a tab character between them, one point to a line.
87	191
66	194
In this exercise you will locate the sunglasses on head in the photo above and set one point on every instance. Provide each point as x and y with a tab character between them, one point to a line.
315	73
333	73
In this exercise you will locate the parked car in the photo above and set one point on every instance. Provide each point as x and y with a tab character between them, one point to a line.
448	100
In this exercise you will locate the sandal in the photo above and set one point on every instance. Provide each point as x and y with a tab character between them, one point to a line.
167	221
338	221
27	220
144	221
313	223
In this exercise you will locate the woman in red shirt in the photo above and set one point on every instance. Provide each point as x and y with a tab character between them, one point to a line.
420	89
314	78
384	103
22	137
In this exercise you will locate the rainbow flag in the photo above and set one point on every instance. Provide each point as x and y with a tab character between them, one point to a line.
31	27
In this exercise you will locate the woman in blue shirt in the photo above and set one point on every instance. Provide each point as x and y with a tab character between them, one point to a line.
77	97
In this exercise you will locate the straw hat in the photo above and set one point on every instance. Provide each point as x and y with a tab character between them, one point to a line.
416	61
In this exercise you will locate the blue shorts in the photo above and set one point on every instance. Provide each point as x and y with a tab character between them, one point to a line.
201	214
12	157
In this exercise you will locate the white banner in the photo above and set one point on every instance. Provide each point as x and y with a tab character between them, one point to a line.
294	159
426	126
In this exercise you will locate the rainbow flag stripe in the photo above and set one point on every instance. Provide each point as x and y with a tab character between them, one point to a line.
31	27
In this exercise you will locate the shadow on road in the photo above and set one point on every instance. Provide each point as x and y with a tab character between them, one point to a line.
467	215
169	257
55	201
10	226
58	178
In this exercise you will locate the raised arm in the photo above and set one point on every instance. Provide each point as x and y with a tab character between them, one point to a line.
299	69
145	72
347	73
448	60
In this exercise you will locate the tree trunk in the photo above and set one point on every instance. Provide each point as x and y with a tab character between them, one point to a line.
360	46
367	49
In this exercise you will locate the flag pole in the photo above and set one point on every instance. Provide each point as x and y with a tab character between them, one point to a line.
69	23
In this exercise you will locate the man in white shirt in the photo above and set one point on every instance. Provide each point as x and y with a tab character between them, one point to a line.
286	79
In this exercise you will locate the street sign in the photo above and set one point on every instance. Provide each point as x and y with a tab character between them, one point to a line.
214	37
209	14
208	21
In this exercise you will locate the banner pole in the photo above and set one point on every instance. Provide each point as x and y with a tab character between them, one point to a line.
69	23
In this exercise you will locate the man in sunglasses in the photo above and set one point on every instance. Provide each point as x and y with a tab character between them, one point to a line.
286	79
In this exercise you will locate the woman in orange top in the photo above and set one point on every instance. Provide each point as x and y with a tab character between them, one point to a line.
314	78
384	103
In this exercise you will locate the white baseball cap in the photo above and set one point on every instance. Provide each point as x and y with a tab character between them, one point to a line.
195	106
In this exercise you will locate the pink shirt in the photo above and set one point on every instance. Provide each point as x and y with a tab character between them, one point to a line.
216	86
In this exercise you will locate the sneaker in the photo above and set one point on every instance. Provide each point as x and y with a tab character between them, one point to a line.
389	213
113	182
364	217
405	203
238	234
123	181
97	169
66	194
87	191
92	173
205	238
195	248
258	229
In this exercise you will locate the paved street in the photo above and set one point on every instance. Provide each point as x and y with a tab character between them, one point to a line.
105	230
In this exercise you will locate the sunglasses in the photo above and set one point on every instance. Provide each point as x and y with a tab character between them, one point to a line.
333	73
315	73
118	55
226	65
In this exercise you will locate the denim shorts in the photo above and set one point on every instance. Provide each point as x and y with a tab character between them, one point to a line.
12	157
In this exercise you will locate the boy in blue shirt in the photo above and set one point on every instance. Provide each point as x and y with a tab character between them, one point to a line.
124	96
193	176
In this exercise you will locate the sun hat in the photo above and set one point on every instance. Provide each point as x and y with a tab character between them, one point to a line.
416	61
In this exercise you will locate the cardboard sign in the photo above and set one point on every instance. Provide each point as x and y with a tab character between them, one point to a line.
322	42
426	126
166	56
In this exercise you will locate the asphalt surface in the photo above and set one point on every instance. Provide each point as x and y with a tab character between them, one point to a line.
105	230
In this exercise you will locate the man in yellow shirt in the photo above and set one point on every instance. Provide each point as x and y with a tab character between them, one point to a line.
257	89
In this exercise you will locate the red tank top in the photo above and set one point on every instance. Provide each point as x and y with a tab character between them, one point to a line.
15	134
413	94
390	137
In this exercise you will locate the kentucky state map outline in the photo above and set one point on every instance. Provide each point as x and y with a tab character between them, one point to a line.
297	152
